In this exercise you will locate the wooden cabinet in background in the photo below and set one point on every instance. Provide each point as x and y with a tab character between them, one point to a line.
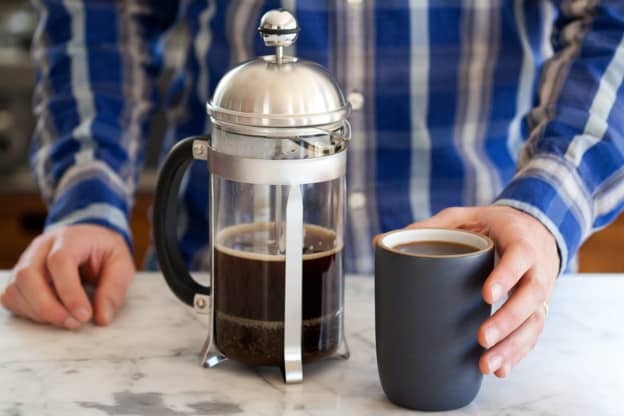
22	216
603	252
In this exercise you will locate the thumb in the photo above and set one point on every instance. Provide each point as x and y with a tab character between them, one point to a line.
455	217
117	273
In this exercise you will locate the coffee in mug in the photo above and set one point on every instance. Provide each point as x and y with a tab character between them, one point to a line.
436	248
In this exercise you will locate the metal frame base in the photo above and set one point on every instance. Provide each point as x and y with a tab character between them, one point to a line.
343	352
213	359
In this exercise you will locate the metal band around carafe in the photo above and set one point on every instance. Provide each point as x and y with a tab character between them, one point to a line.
271	171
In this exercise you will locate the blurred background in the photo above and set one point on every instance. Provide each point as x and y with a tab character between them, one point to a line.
22	213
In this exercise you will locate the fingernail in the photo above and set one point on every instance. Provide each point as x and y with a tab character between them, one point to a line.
491	336
71	323
107	312
496	291
82	313
494	363
503	371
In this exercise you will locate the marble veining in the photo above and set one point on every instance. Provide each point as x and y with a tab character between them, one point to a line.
148	363
128	403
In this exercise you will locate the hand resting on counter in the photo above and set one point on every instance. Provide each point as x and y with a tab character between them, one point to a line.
47	284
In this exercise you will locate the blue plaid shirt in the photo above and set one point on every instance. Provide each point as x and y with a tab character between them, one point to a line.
471	102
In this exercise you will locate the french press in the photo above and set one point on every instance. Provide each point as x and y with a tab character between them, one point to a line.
277	162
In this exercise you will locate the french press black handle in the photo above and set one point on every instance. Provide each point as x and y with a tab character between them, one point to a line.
165	222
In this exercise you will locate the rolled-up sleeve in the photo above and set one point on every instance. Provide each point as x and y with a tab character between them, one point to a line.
571	170
97	62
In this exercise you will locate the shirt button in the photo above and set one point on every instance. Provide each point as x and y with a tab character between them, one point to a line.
357	200
356	99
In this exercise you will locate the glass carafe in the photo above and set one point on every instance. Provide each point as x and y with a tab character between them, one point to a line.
277	161
250	234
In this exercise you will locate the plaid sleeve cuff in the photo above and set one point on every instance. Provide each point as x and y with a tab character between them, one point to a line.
550	189
91	201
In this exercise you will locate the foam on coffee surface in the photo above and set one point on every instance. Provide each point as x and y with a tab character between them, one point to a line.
225	244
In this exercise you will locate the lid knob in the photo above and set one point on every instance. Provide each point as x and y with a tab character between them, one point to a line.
278	28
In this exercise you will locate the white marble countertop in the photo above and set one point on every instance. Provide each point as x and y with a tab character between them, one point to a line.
148	363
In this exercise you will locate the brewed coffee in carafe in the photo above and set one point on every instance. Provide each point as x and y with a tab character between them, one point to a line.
249	306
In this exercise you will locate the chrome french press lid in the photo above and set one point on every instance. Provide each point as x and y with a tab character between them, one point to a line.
278	95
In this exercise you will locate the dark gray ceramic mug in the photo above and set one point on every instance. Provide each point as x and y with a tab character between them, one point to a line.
428	310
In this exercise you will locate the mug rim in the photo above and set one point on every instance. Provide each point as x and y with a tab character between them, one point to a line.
381	243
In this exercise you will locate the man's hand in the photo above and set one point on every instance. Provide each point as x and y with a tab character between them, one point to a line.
527	270
47	282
